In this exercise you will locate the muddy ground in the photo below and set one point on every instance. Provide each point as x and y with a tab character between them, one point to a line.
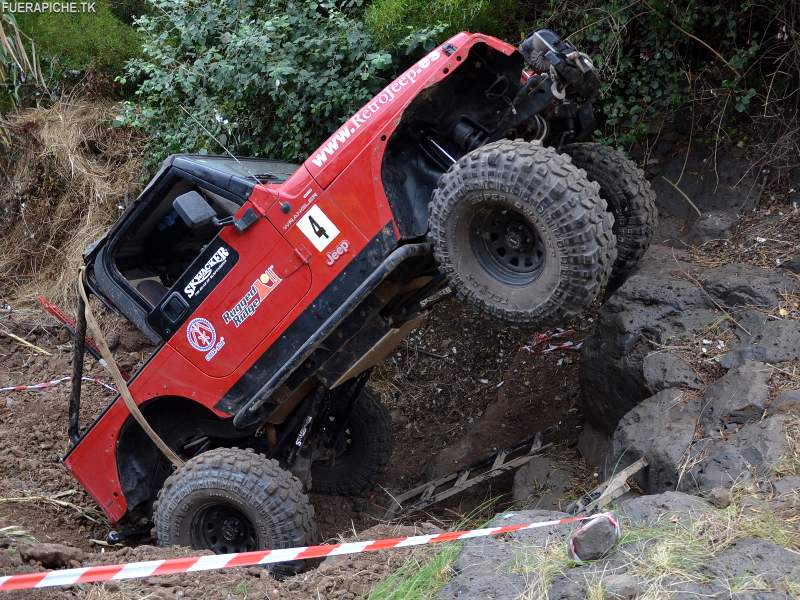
458	382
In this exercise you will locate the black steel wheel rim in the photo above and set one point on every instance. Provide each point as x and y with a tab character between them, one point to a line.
507	245
223	529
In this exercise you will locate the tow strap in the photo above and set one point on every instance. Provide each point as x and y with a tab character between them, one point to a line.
119	380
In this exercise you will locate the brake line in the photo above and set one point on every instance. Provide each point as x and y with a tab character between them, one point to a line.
119	380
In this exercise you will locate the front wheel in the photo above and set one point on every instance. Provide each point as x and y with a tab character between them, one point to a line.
231	500
521	233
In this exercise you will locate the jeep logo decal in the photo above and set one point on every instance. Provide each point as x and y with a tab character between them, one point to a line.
337	252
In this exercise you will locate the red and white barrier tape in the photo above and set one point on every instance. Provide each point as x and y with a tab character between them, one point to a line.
555	334
52	383
191	564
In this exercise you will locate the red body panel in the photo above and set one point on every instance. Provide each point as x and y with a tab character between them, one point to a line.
279	264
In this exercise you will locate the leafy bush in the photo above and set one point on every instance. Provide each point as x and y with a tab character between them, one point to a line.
257	77
656	58
391	21
715	61
81	41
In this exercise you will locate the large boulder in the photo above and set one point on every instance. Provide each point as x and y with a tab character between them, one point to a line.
661	428
750	452
666	301
738	397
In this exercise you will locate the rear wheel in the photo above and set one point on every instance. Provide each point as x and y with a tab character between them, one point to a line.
361	454
630	199
521	233
231	500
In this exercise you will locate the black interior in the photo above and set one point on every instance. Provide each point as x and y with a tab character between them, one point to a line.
156	251
442	124
157	247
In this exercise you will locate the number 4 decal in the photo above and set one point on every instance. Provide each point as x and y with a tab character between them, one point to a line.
318	228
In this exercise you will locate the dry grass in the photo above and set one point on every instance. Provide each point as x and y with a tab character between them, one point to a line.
68	176
58	501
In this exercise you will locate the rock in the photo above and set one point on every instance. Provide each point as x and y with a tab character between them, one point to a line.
398	418
485	566
594	446
713	225
719	497
793	264
778	341
740	396
622	587
664	370
661	429
650	305
744	285
51	556
750	556
541	484
788	401
786	485
593	540
668	506
754	448
112	339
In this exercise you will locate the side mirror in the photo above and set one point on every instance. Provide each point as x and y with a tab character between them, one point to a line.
194	210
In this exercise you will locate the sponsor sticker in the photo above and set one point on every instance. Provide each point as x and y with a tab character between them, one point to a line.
201	334
213	352
318	228
253	299
337	253
386	97
200	280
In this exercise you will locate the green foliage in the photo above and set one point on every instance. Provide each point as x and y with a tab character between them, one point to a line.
259	77
392	21
20	70
419	579
81	41
657	58
127	10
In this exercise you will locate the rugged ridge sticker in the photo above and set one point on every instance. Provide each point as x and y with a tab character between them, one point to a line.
253	299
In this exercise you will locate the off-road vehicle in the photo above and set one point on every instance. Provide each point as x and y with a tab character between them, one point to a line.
271	289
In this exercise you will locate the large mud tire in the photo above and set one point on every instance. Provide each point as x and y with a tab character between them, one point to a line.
558	247
365	452
630	199
232	500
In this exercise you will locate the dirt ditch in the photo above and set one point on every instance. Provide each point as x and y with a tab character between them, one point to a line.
459	384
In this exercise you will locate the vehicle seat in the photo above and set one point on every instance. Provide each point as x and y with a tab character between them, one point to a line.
152	290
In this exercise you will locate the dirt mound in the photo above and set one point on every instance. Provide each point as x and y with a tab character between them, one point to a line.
67	177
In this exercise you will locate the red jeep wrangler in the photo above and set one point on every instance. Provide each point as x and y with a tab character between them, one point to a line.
271	289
